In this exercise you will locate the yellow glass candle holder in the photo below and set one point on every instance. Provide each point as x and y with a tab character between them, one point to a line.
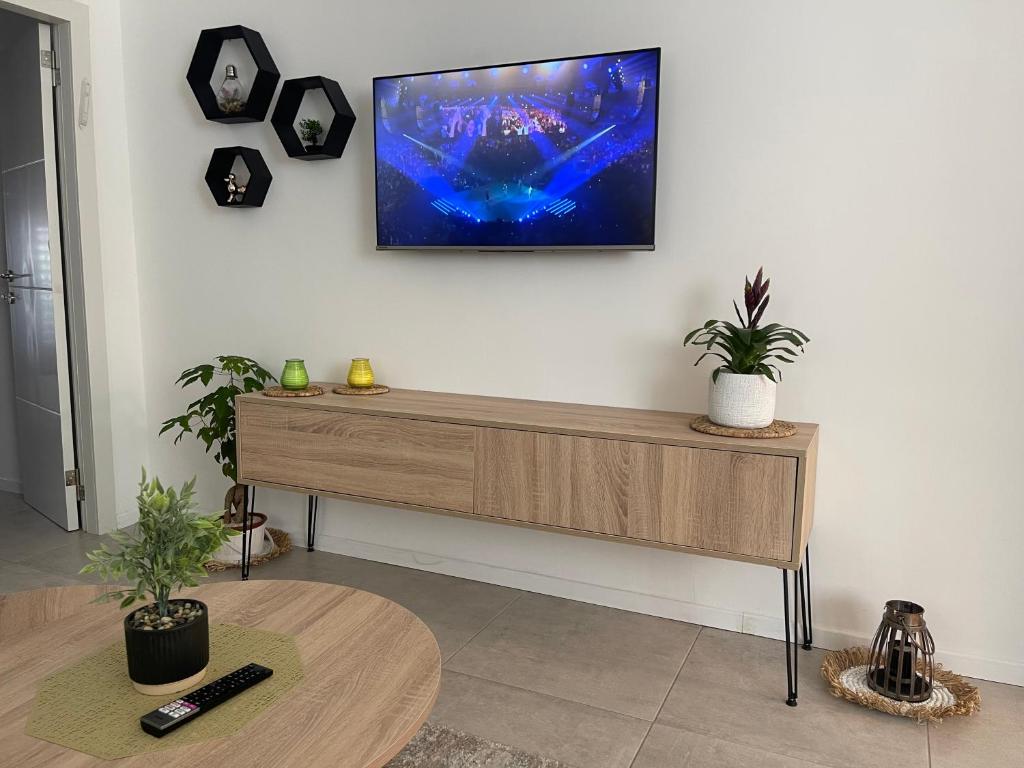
360	374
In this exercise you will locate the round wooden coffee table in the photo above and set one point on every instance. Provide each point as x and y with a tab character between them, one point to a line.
372	673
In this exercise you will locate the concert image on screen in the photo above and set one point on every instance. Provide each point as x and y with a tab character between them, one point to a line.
541	155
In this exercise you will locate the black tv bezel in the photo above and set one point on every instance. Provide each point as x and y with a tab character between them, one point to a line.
513	248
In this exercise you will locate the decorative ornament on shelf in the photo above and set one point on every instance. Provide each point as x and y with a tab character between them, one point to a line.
236	191
294	376
167	641
742	388
360	374
231	94
311	130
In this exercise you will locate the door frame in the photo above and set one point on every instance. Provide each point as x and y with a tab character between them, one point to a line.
76	163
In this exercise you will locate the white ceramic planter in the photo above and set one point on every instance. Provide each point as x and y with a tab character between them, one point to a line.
746	401
231	550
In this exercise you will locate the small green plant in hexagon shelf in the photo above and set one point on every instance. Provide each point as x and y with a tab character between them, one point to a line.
311	131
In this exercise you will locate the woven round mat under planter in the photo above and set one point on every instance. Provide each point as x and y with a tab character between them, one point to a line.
311	391
845	672
91	706
775	429
376	389
282	543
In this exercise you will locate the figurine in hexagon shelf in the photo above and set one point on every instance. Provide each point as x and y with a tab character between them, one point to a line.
235	190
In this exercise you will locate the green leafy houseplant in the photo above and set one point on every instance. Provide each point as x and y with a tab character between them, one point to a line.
749	348
311	130
166	552
211	418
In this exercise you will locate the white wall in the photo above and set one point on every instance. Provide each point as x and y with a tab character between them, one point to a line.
867	153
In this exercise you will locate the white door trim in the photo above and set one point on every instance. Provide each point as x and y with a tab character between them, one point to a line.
90	376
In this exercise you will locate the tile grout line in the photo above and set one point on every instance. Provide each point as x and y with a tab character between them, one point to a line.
476	634
928	741
668	693
545	695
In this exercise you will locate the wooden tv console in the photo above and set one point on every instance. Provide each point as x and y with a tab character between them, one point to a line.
634	476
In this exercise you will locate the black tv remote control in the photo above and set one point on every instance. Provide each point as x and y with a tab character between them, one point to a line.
162	721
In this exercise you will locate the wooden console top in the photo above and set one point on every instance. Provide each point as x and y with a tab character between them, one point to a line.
636	425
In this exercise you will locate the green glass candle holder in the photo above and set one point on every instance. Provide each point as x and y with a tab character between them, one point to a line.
294	375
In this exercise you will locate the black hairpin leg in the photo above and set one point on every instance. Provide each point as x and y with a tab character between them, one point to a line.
248	508
791	632
313	506
805	599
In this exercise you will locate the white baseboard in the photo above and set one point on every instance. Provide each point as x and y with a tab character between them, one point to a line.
653	605
124	519
10	485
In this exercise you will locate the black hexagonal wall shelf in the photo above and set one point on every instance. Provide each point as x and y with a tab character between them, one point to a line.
287	109
204	61
221	163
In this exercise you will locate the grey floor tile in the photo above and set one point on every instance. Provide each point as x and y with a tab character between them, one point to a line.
454	609
992	737
10	501
67	558
667	747
572	733
16	577
25	533
732	687
620	661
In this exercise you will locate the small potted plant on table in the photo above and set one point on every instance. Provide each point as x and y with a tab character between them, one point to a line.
311	130
167	641
211	419
742	389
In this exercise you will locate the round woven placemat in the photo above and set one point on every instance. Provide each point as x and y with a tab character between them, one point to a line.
775	429
66	709
845	671
282	543
376	389
311	391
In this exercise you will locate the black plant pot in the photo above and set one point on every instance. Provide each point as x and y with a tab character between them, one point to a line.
164	661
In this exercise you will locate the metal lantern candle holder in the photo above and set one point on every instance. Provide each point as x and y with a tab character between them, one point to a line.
902	661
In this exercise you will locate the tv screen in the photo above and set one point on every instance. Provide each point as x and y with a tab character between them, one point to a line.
558	154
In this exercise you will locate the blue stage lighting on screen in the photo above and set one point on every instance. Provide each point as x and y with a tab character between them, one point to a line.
481	159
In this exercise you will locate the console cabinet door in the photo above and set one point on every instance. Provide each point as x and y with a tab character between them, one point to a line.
403	460
577	483
722	501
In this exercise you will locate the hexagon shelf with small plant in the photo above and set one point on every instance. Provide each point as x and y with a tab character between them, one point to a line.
309	146
238	177
232	102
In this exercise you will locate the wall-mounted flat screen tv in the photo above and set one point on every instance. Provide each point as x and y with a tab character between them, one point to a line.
540	155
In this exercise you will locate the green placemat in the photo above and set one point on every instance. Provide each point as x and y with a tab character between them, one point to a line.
65	710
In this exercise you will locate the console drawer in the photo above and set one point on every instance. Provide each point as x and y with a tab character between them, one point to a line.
390	459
